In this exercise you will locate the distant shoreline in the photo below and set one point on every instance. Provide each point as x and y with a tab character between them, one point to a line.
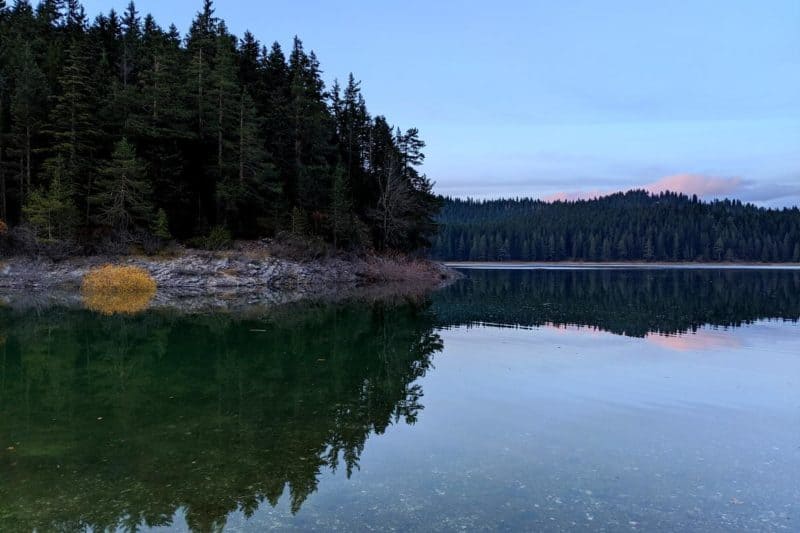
613	265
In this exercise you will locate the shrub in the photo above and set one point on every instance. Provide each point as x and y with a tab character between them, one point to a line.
120	279
19	240
299	222
160	226
114	289
4	240
218	239
297	248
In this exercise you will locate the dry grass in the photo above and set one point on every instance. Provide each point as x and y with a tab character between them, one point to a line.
114	289
3	227
119	279
402	269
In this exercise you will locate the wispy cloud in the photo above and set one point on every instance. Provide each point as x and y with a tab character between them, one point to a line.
704	186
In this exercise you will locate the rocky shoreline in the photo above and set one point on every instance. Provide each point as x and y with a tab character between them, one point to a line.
197	280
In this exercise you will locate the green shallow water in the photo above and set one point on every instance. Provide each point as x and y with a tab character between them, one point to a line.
513	400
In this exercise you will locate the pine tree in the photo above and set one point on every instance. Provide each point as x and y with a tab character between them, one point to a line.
72	127
131	40
225	100
123	193
74	17
162	125
341	209
276	127
249	62
310	186
200	44
3	191
160	226
249	193
5	83
125	90
48	12
352	125
27	104
51	211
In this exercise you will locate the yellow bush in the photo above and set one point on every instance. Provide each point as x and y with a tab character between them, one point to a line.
118	289
3	227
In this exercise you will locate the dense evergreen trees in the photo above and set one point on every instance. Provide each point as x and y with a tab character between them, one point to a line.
129	127
123	129
624	226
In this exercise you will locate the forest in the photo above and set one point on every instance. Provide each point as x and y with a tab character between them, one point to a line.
631	226
118	132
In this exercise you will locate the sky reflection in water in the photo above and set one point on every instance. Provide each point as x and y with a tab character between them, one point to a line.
617	400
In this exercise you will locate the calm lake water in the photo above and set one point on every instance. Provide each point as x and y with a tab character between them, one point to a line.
554	400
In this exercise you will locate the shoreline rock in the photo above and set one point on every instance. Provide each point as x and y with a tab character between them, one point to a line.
197	280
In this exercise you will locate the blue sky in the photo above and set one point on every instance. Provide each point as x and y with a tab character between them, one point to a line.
562	99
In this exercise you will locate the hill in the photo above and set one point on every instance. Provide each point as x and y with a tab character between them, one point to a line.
631	226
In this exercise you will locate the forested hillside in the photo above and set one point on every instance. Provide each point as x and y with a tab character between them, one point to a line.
624	226
118	130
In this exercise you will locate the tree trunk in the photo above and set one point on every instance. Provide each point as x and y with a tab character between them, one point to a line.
73	135
28	155
21	185
125	66
219	133
386	211
156	67
350	153
200	91
241	140
3	205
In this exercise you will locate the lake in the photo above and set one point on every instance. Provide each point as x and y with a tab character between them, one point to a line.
525	399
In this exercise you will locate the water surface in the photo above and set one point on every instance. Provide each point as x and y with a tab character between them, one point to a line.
556	400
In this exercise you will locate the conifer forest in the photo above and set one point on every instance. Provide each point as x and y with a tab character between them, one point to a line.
632	226
117	130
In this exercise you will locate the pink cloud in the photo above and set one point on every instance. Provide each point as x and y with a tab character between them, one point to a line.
689	184
696	184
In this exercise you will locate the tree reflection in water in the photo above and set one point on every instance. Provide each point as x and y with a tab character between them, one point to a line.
625	302
114	421
121	421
